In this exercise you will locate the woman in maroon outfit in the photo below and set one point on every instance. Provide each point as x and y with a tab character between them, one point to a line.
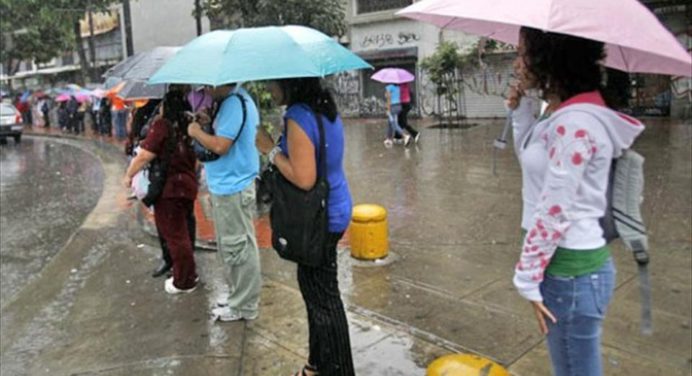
175	206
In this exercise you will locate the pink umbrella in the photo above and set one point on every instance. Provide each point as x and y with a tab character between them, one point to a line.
393	76
81	98
635	40
62	98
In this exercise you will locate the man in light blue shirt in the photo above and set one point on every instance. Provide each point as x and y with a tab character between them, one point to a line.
231	182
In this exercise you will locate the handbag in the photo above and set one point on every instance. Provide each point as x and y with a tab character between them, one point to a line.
205	155
157	170
299	220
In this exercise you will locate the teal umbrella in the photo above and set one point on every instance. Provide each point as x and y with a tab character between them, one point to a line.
253	54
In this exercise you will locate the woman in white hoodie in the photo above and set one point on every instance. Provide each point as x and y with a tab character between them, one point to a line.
565	269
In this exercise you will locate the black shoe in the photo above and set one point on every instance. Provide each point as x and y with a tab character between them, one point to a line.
161	270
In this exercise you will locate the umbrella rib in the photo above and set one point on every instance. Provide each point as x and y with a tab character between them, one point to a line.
624	60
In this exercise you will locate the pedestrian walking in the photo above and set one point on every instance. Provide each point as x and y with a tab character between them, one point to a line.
231	183
393	97
297	158
167	139
565	269
405	92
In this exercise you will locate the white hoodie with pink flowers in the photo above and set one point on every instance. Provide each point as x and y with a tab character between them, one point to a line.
565	163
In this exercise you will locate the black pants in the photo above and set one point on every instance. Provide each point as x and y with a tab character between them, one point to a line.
403	119
192	230
330	346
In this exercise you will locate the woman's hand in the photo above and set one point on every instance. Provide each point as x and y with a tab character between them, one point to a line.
202	117
264	141
193	129
542	312
514	96
127	181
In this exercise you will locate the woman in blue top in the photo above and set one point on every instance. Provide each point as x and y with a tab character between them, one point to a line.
297	157
393	96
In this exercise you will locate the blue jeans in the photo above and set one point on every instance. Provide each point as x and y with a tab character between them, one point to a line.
394	127
579	305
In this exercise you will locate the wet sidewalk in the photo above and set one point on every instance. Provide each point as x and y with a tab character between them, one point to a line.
454	233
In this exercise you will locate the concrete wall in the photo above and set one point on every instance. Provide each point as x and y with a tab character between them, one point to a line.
163	23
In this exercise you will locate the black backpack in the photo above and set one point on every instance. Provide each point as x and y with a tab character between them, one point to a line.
205	155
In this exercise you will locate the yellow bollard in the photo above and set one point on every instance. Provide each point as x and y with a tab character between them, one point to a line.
368	232
465	365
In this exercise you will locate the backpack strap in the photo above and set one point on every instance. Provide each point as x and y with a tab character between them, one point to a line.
323	146
244	107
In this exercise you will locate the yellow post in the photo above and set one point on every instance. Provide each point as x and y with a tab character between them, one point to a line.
368	232
465	365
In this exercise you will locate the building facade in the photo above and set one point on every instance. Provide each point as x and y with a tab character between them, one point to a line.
152	23
386	40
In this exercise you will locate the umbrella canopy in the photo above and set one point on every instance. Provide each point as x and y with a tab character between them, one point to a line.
261	53
393	76
135	89
142	65
81	98
635	40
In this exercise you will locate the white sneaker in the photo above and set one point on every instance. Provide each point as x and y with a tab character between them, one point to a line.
225	314
171	289
388	143
407	140
415	139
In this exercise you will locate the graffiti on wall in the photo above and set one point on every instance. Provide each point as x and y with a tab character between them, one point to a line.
386	39
680	86
490	80
347	94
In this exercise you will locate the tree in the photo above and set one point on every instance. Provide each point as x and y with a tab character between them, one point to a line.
30	31
74	11
442	67
327	16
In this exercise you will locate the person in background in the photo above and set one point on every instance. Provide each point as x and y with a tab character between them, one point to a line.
63	117
405	109
105	117
72	116
95	115
565	269
168	139
119	115
297	159
393	97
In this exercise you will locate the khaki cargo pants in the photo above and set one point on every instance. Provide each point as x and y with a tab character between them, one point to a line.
237	248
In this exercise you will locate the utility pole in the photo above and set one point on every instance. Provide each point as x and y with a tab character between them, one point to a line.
198	17
127	18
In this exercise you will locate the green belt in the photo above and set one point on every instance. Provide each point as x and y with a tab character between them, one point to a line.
574	263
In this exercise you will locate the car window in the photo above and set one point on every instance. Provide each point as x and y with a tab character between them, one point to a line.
6	109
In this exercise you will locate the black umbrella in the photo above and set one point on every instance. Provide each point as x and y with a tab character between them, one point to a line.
142	65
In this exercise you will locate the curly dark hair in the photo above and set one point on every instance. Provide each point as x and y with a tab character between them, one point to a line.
309	90
562	64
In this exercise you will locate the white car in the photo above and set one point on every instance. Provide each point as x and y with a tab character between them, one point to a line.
10	123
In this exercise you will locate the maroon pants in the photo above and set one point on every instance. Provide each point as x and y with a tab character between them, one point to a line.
170	215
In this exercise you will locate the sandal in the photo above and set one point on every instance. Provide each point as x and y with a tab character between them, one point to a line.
305	368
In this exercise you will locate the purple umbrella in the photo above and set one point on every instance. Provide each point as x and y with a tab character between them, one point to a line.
393	76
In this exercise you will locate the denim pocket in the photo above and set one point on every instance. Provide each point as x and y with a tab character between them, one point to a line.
602	287
557	295
232	250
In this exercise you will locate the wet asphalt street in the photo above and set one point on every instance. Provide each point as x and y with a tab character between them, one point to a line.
47	188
